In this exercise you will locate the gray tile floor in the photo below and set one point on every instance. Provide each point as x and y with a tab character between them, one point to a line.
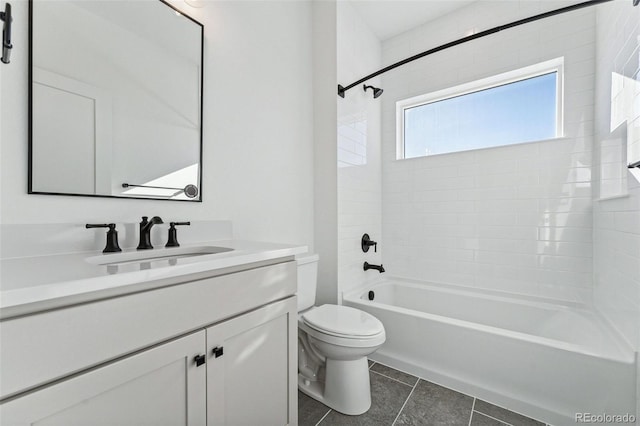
399	398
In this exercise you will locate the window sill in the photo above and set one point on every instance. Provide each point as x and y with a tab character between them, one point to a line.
557	138
612	197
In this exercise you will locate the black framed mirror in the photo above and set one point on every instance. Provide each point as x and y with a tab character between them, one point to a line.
115	100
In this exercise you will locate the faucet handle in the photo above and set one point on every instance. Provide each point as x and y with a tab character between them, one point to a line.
99	225
367	242
155	220
172	241
112	245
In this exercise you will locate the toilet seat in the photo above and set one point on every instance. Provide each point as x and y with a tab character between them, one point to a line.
343	322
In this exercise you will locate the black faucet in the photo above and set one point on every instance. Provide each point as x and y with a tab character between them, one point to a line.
172	241
112	236
368	266
145	231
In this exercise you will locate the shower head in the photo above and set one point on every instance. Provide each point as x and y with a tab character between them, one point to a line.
376	91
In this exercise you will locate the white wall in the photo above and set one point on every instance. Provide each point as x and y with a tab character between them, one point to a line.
617	219
515	218
325	163
258	129
359	169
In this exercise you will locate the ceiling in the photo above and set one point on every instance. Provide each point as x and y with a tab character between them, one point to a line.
387	18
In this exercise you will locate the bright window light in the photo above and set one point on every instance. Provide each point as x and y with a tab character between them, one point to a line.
520	106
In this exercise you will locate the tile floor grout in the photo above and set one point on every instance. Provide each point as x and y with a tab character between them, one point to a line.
413	387
473	407
420	378
323	417
395	380
405	402
491	417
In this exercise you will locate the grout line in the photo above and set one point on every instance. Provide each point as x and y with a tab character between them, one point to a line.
515	412
471	396
491	417
399	381
326	414
397	369
413	387
435	383
405	402
473	407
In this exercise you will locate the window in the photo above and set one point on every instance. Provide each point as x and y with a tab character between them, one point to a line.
519	106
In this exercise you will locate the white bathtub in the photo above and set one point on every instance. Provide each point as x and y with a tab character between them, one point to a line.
544	360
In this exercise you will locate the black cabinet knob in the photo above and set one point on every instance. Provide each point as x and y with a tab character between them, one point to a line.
199	360
218	351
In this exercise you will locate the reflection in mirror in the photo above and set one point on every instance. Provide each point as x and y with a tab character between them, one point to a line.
116	98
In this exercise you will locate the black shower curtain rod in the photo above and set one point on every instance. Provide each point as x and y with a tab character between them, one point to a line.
341	89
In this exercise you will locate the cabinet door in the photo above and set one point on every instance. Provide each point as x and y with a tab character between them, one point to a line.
159	386
252	368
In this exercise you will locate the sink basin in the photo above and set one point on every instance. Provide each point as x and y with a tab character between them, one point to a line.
169	254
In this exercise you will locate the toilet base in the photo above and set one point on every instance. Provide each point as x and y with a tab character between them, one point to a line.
346	387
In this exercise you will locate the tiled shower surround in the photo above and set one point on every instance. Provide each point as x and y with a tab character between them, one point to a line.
515	218
558	219
617	219
358	133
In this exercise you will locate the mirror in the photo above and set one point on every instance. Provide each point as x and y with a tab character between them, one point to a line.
115	100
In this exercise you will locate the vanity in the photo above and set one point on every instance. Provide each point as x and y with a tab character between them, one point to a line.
195	337
203	333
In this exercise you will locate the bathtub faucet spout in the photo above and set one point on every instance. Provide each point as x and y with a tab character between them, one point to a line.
368	266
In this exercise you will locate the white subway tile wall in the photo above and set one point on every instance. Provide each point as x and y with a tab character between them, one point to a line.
617	220
359	170
519	218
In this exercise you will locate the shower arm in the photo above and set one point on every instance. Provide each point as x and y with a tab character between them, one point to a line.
484	33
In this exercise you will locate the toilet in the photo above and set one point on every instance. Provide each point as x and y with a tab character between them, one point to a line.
333	344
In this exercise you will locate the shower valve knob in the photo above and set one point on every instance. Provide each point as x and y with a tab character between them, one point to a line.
367	242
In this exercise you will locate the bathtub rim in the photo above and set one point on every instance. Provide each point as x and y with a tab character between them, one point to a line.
485	292
623	353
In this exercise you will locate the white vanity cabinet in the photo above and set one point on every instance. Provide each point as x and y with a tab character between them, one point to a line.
159	386
131	360
252	369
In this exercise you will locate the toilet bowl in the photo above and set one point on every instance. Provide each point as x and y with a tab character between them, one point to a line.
333	344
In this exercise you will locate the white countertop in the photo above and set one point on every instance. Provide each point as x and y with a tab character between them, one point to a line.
33	284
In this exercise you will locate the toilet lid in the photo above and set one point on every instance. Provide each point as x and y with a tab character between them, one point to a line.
343	320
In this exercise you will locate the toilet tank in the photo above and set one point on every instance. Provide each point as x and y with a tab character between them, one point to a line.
307	280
